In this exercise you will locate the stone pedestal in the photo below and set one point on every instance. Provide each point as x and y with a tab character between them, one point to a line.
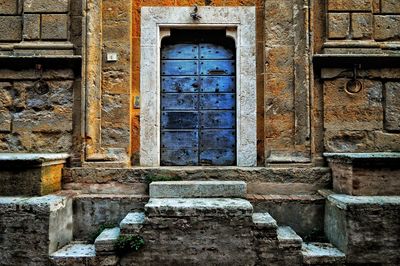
23	174
365	228
365	174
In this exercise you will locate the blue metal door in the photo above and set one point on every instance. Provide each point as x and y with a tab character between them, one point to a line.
198	102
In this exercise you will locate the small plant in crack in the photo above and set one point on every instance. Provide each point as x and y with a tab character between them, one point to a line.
128	243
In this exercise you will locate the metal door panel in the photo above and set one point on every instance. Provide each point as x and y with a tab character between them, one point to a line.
217	119
179	157
180	84
217	101
213	51
180	120
174	140
179	67
179	101
180	51
217	84
218	157
217	139
217	67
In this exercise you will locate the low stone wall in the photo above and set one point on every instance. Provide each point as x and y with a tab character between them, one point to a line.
32	228
365	228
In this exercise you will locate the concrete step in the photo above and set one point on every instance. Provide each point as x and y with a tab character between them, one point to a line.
209	207
322	254
198	189
132	223
105	242
74	254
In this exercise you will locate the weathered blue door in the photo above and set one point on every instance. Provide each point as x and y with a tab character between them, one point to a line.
198	102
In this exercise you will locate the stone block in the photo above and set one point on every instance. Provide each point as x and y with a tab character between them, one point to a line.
338	25
365	228
198	189
10	28
361	25
390	6
204	207
32	228
31	27
386	27
8	7
132	223
105	242
365	173
289	245
93	210
322	254
264	220
74	254
5	120
46	6
31	174
54	27
392	106
349	5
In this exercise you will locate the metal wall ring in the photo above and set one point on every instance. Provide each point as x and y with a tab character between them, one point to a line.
353	86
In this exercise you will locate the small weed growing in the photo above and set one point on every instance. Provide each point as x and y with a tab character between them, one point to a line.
128	243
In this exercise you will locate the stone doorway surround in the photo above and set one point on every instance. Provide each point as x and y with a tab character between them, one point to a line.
239	23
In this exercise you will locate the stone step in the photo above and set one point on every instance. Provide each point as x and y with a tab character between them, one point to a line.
264	220
206	207
322	254
198	189
132	223
289	246
74	254
288	238
105	242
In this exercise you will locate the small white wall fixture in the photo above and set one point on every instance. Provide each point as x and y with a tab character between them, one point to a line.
239	23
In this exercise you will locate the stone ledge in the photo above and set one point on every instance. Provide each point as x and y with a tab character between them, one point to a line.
198	189
288	237
217	207
264	220
132	223
8	160
349	60
322	254
105	242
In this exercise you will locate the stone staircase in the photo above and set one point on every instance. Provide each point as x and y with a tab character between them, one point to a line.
200	223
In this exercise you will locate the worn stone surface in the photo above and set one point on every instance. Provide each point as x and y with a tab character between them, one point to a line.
361	25
31	27
392	106
93	210
5	120
366	174
105	242
43	6
390	6
290	245
74	254
32	228
10	28
303	213
365	228
386	27
132	223
54	27
198	189
208	207
30	175
339	25
8	7
349	5
322	254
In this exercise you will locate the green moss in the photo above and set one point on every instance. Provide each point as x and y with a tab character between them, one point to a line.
128	243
